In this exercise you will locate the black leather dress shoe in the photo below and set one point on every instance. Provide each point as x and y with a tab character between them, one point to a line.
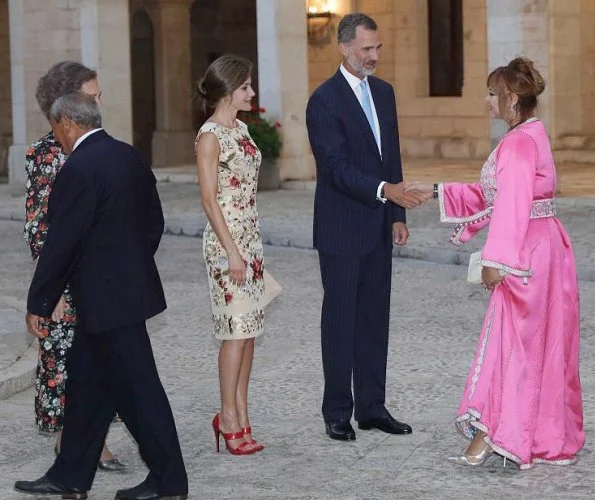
340	430
112	465
143	491
44	486
386	423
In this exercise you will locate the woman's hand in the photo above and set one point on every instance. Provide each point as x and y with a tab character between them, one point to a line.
426	189
490	277
59	310
237	268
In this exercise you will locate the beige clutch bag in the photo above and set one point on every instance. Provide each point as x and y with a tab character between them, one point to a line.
474	270
271	288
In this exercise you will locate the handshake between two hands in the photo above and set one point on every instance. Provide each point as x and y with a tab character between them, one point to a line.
408	194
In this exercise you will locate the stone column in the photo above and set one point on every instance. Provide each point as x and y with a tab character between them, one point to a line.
283	80
520	28
173	138
565	78
33	49
105	47
16	155
5	88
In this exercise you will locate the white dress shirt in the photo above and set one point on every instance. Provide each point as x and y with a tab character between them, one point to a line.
84	136
354	83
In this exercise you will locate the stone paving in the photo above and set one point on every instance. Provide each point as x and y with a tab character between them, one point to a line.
429	358
436	317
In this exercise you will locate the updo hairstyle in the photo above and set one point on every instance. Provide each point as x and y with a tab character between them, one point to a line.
520	77
224	75
62	78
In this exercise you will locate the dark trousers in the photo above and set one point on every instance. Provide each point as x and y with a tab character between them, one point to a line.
115	371
354	327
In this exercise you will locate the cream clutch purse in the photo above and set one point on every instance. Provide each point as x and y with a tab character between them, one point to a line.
271	288
474	270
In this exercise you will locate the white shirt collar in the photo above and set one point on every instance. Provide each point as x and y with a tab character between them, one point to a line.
352	80
84	136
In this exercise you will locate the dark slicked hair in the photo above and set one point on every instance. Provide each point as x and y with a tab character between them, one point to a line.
62	78
349	24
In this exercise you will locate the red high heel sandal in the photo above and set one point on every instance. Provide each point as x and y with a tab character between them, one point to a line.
243	449
253	443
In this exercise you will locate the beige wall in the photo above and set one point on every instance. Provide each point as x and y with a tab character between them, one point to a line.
43	47
323	54
444	127
34	48
5	100
587	64
565	74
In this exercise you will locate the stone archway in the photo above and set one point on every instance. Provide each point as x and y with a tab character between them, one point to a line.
211	23
5	90
142	60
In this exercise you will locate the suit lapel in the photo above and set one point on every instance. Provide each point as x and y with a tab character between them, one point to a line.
354	108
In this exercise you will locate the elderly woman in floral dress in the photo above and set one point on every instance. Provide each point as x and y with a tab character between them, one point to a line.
43	161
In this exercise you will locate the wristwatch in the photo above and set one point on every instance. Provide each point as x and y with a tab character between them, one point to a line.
382	192
435	193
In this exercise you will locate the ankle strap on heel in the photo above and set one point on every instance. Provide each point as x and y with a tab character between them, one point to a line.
233	435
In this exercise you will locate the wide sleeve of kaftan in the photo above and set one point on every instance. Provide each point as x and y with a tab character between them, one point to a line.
464	206
516	165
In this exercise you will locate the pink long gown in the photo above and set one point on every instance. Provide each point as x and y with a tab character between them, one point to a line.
523	389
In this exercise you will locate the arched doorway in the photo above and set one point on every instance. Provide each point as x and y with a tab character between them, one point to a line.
142	60
218	27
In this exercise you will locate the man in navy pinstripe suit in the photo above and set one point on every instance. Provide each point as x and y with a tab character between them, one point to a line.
359	211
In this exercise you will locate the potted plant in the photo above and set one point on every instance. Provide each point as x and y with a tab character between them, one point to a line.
267	137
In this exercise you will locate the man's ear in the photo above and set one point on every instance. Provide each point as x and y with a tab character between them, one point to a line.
67	123
344	49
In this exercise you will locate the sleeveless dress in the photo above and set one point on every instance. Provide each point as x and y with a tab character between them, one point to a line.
238	311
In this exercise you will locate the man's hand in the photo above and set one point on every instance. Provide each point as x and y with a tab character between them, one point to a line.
400	233
36	325
406	199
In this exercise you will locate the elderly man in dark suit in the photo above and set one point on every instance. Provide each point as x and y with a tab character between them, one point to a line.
105	226
359	211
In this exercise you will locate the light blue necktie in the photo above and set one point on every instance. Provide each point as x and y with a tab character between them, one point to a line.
367	107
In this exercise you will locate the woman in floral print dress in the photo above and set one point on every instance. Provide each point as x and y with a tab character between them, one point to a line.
228	160
43	161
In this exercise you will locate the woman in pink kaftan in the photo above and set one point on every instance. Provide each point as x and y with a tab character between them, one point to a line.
523	397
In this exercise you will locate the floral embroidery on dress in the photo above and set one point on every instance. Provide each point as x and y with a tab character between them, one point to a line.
487	178
43	161
237	311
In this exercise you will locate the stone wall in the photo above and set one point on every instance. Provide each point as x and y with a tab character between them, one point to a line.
5	100
439	127
323	54
43	48
34	48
